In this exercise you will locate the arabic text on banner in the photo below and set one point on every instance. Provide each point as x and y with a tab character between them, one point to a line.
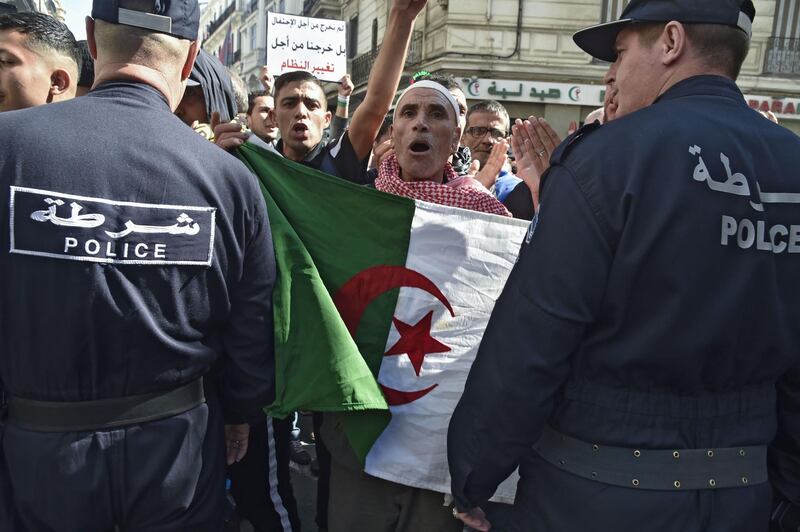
315	45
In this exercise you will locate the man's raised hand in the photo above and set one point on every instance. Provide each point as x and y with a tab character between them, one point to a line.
411	8
228	136
346	86
487	175
533	142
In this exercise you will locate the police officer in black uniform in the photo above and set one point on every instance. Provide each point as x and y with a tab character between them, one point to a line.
135	255
648	337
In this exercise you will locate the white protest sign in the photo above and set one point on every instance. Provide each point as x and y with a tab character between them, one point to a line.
316	45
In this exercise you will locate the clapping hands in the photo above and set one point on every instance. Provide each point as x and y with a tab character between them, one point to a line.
533	142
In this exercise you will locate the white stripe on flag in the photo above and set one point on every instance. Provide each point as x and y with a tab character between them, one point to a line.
468	256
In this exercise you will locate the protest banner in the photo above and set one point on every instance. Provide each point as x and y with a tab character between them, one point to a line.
315	45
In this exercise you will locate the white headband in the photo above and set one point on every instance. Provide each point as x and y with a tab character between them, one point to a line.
427	84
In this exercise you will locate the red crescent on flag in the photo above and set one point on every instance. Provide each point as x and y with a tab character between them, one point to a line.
355	295
399	398
353	298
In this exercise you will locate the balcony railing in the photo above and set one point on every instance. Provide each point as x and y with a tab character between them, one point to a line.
322	8
415	50
362	65
220	20
783	56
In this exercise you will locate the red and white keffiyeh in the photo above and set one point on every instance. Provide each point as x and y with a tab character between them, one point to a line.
464	197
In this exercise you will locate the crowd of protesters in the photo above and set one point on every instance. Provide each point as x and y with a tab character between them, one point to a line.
430	145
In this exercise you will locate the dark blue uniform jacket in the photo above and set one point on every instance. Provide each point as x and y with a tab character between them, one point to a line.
655	305
133	255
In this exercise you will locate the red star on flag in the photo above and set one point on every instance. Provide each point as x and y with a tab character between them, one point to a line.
416	341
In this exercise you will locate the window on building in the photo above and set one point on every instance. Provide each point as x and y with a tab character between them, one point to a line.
787	19
352	37
374	34
612	9
252	37
783	48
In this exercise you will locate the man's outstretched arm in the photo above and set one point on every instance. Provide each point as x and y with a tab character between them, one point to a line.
385	76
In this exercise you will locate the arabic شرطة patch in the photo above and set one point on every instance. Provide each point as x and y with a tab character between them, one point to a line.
65	226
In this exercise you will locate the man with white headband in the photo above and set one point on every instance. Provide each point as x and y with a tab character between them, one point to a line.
425	133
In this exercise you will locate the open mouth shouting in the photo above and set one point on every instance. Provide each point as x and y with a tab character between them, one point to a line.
419	147
300	131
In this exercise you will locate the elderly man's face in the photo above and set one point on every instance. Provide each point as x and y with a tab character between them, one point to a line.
637	74
424	135
260	119
484	130
25	76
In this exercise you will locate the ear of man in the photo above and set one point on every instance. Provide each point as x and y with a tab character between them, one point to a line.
455	140
673	43
717	48
62	85
191	56
90	40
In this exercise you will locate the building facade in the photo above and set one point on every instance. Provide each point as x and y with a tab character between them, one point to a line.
236	32
521	53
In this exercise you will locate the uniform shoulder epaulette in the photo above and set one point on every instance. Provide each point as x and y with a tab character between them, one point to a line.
570	142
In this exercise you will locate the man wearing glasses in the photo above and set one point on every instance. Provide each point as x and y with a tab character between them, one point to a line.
487	124
487	127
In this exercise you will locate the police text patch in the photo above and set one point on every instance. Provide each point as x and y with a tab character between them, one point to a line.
65	226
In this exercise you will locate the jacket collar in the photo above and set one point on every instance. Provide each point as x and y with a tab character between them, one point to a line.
703	85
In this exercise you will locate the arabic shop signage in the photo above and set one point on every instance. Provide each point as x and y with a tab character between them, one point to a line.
316	45
533	91
782	107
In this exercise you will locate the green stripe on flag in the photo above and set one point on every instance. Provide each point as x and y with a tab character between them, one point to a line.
325	231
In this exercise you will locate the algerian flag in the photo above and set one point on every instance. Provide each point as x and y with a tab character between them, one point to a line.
380	305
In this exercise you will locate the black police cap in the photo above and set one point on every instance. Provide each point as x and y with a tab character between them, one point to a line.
598	41
179	18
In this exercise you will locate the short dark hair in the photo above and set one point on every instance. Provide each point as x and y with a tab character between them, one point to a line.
447	80
384	129
719	46
43	33
490	106
299	76
87	65
251	99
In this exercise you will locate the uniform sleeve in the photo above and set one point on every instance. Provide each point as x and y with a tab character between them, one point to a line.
784	453
249	368
551	296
